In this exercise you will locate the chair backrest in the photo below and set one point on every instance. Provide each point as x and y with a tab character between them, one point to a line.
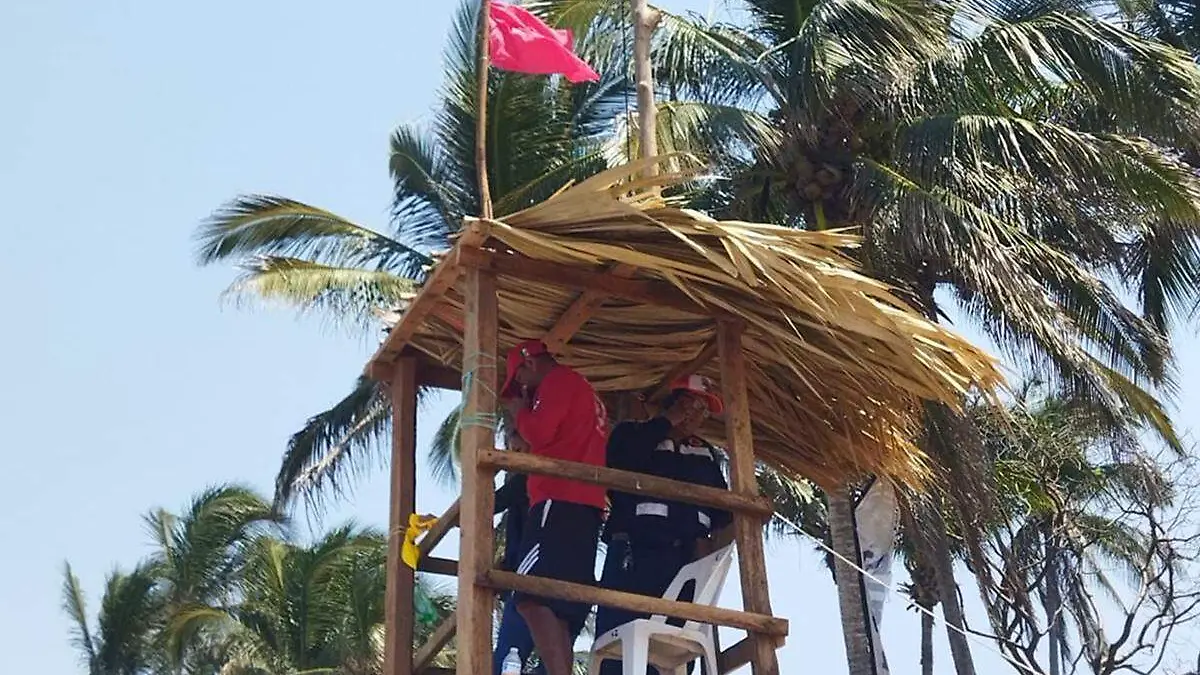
708	573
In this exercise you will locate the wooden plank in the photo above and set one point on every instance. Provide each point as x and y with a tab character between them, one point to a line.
444	523
645	291
398	610
433	375
480	356
436	642
740	654
441	566
747	532
687	368
444	276
578	313
628	481
592	595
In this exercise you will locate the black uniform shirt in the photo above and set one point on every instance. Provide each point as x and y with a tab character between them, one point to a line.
645	448
513	498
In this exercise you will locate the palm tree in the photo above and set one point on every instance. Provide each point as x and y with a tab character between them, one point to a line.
199	556
224	592
545	134
1072	483
316	608
122	642
1011	153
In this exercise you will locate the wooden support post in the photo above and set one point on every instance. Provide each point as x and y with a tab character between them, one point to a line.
747	531
478	436
398	612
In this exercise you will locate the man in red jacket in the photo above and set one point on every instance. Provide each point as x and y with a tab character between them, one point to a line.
559	415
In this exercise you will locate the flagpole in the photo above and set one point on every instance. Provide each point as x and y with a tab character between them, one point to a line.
485	192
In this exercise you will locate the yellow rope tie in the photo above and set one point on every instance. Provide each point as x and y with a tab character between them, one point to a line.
473	362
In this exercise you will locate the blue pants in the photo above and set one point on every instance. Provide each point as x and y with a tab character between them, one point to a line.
514	632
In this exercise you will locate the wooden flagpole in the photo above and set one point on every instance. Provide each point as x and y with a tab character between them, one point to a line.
485	193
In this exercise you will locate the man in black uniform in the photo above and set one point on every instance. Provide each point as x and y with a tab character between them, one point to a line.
512	499
650	539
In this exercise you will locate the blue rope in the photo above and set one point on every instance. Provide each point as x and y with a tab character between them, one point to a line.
472	363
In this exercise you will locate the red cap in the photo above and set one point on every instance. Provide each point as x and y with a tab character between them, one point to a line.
704	387
517	356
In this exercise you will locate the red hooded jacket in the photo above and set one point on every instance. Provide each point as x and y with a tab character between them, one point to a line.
567	421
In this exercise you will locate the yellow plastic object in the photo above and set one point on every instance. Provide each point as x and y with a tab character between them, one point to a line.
417	526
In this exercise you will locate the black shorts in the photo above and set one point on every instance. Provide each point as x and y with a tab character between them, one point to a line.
559	542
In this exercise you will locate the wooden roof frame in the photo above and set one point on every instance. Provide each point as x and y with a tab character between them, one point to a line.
473	268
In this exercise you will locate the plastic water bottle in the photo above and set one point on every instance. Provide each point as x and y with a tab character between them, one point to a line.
512	663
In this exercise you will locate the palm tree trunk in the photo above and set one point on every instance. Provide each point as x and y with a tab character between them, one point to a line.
851	599
926	644
1053	606
943	567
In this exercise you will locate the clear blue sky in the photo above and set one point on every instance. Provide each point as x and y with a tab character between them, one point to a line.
124	384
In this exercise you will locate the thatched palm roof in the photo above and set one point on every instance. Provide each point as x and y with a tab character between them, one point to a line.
837	364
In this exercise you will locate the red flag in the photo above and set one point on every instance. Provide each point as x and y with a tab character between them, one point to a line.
521	42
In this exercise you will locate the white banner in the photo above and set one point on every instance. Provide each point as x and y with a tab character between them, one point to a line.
877	519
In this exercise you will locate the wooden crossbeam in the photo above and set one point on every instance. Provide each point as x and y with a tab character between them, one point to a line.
629	481
444	276
592	595
436	642
440	566
444	524
739	655
646	291
578	313
441	377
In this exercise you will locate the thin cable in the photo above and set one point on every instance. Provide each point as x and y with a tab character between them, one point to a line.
969	635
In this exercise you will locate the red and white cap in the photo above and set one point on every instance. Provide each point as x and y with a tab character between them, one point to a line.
516	356
704	387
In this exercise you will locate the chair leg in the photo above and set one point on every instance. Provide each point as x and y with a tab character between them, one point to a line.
635	654
594	664
710	660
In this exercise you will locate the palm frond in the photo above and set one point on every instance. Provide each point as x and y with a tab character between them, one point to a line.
75	605
201	553
1124	74
430	196
1164	258
269	225
698	129
129	614
344	294
713	63
444	450
342	438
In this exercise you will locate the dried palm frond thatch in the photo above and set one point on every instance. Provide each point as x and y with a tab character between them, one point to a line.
838	366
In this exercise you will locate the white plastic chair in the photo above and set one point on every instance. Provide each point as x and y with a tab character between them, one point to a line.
657	643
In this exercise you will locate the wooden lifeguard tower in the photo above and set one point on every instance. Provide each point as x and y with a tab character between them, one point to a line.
820	366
